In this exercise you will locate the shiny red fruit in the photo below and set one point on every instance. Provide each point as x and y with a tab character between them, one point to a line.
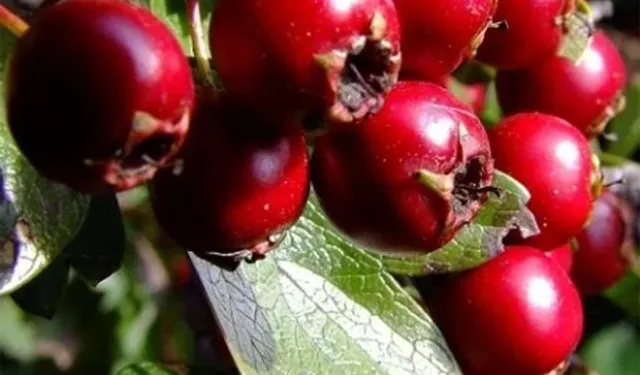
99	94
603	245
407	178
563	255
533	32
437	36
587	94
331	57
518	313
241	181
552	159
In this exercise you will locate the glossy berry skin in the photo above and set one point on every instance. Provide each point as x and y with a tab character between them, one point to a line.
563	255
365	176
600	260
518	313
437	36
552	159
534	33
99	94
303	52
241	181
586	94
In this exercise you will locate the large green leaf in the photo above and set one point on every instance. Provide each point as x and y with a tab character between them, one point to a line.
318	305
477	241
37	218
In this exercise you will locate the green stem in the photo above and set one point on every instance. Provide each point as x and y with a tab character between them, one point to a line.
12	22
609	159
439	183
199	41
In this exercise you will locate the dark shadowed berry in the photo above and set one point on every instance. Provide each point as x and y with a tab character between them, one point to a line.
604	246
240	184
99	94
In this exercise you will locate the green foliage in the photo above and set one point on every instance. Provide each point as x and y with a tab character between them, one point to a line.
614	351
626	294
316	305
319	305
145	368
37	218
626	126
40	296
97	251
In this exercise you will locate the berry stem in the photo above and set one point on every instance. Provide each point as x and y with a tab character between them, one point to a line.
199	42
12	22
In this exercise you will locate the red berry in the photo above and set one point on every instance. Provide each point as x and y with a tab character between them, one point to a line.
407	178
533	31
587	94
333	56
600	260
518	313
552	159
563	255
241	181
99	94
437	36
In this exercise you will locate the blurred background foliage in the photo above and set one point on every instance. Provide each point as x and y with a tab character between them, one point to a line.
152	310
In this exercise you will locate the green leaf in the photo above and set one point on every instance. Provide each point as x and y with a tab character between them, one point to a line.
457	88
145	368
492	111
174	14
98	249
6	43
17	335
38	218
615	350
40	296
625	294
319	305
477	241
626	125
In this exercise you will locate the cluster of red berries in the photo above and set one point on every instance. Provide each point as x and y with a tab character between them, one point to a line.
101	98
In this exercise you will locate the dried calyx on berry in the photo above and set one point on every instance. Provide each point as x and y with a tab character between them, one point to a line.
407	178
335	59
